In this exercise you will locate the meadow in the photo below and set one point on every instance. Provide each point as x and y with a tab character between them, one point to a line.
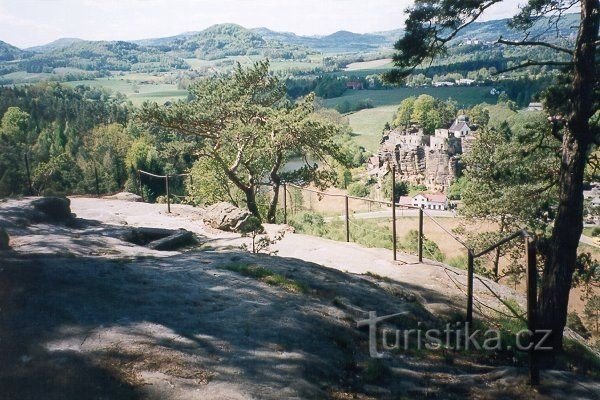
137	87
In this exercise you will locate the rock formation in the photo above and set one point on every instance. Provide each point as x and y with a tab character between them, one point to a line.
430	160
226	217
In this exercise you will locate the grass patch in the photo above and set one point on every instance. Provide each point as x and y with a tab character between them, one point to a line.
267	276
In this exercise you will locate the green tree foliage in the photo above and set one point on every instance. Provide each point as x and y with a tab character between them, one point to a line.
358	189
209	185
14	147
245	124
52	126
330	86
575	323
510	181
400	189
592	312
426	111
107	147
410	244
405	111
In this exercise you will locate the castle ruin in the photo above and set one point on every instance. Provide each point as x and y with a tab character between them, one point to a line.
421	159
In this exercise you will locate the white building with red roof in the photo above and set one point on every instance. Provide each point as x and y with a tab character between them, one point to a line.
428	201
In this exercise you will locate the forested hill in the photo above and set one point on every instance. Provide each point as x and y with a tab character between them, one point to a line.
55	45
224	40
9	52
97	56
342	41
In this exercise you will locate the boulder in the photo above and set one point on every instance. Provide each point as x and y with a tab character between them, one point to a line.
226	217
125	196
55	209
4	240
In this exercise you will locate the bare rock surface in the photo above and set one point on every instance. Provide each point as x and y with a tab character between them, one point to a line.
86	314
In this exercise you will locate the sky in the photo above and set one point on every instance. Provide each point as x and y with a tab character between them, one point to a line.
26	23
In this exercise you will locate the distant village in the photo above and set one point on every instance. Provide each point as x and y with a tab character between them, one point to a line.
422	159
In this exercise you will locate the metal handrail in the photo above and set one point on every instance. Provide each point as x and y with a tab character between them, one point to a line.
522	233
388	203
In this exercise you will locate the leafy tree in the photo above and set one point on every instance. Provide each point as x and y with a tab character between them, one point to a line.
244	123
592	312
358	189
575	323
107	147
400	189
503	169
572	102
425	110
15	149
209	185
404	113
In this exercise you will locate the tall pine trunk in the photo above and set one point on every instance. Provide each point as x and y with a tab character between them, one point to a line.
562	255
577	139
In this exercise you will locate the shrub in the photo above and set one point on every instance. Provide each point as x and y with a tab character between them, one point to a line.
410	243
575	323
358	189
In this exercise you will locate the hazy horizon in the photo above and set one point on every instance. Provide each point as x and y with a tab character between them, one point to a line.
27	23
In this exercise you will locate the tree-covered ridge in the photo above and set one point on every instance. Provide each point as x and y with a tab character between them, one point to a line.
54	45
224	40
110	56
9	52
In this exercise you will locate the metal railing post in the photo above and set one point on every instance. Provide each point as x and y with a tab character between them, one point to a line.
470	272
394	233
168	194
534	372
347	220
284	203
97	182
420	235
139	176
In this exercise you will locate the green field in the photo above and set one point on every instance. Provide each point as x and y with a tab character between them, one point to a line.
464	96
383	64
137	87
224	64
368	125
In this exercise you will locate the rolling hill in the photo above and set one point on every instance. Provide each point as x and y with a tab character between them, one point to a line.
9	52
225	40
55	45
231	40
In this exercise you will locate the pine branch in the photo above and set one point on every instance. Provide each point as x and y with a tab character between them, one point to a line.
535	43
533	63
